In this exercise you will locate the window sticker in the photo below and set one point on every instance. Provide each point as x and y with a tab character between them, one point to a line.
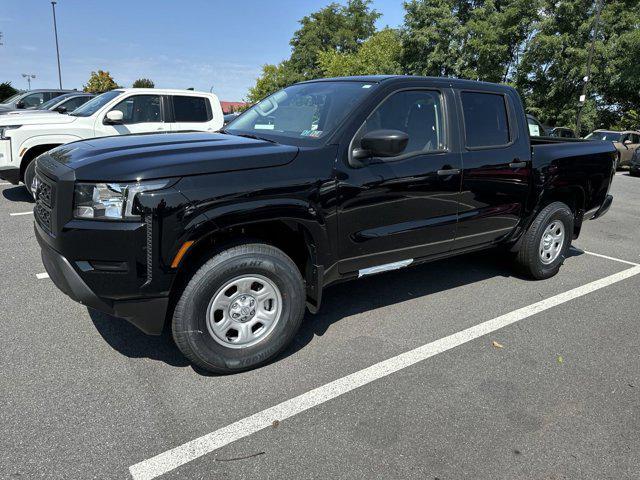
311	133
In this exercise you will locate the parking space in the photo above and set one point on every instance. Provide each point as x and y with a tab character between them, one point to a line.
550	391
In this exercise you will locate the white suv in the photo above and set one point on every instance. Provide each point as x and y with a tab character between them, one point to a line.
118	112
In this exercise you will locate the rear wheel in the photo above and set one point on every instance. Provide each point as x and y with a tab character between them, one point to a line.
240	309
547	241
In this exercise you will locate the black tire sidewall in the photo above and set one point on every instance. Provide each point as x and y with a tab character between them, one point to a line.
190	319
29	174
556	211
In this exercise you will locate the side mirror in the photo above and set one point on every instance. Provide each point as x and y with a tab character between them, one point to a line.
627	142
114	117
60	109
20	104
382	143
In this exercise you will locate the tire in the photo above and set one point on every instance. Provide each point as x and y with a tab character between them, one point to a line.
29	175
204	333
538	259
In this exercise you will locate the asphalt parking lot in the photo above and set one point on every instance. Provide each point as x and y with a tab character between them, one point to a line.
505	377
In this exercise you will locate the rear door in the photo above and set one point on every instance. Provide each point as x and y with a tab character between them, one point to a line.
401	208
496	166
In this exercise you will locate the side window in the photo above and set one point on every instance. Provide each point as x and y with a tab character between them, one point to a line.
191	109
485	119
33	100
418	113
140	109
635	138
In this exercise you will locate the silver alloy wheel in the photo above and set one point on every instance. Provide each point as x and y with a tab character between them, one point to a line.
244	311
551	242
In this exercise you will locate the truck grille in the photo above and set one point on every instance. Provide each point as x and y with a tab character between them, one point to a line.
44	203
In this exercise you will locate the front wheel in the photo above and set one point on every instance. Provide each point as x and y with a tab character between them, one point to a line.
240	309
547	241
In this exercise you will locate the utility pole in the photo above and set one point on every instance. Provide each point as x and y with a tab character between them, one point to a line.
587	77
28	76
55	31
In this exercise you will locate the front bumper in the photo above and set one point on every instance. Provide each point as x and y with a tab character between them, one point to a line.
148	314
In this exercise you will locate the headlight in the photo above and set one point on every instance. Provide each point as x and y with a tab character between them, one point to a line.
110	201
5	128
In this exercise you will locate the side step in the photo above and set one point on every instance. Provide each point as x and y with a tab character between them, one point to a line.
385	268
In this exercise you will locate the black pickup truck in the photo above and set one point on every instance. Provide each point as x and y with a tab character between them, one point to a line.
228	237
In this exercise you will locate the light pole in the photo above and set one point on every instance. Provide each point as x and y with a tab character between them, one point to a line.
587	77
28	76
55	31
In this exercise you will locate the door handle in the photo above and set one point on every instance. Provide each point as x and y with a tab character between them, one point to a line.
449	171
518	164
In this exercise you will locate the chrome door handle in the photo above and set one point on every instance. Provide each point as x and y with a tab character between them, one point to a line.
518	164
449	171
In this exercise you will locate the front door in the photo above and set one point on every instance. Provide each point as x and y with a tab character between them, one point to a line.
402	208
140	114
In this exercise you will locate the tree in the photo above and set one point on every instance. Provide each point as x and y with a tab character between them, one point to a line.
478	39
336	27
6	90
550	75
100	82
143	83
380	54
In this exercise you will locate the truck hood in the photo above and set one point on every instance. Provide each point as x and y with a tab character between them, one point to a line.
127	158
36	119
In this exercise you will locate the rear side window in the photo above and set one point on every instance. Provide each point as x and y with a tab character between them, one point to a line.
486	121
191	109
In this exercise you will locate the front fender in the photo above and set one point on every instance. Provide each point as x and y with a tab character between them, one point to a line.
33	141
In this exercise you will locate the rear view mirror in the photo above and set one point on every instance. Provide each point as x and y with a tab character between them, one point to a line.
382	143
60	109
20	104
114	117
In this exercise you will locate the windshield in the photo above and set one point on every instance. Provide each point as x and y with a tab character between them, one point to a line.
52	102
95	104
303	113
606	136
12	99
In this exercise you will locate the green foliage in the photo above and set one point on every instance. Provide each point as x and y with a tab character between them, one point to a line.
550	76
538	46
143	83
479	40
380	54
6	91
336	27
100	82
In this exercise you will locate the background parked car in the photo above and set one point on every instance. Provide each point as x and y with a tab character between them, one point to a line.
63	104
118	112
634	164
562	132
626	142
31	99
536	129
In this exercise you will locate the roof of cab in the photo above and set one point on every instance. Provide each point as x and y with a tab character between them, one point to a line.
388	78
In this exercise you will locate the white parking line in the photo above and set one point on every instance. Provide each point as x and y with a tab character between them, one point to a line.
606	256
21	213
174	458
42	276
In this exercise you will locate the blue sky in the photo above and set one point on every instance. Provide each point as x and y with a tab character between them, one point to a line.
178	44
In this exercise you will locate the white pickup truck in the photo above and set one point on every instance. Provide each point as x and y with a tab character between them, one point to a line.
118	112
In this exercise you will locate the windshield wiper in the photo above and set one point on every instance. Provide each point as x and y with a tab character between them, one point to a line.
251	135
